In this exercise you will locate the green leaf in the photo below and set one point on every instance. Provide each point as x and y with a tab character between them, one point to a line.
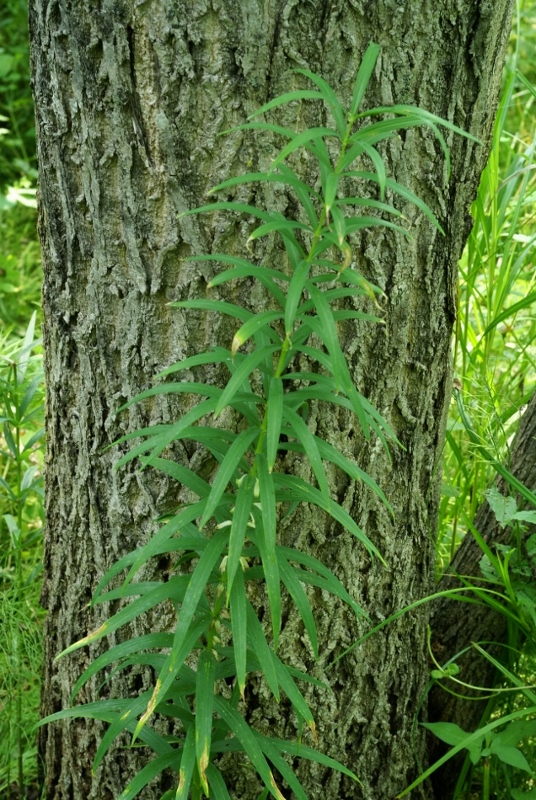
161	441
145	775
299	750
504	508
228	205
452	734
304	193
219	306
187	766
247	739
281	765
310	444
330	190
364	74
247	365
181	644
244	501
301	490
204	696
252	326
121	651
274	416
509	755
183	475
215	356
245	269
289	578
287	97
329	97
239	626
294	294
397	188
164	591
260	647
302	139
183	387
281	225
217	784
227	470
294	695
266	541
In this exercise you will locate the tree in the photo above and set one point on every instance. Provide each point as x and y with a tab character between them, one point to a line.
130	99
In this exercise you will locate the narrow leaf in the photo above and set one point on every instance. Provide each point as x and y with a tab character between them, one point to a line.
247	738
244	500
181	644
252	326
247	365
274	415
364	74
239	626
204	696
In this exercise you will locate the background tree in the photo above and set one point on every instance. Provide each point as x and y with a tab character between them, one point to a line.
130	100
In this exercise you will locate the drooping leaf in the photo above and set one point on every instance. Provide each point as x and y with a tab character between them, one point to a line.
249	742
226	471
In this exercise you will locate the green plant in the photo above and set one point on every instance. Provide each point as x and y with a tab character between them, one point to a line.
21	438
17	128
226	534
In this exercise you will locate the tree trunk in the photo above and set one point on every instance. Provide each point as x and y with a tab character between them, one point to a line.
456	626
130	99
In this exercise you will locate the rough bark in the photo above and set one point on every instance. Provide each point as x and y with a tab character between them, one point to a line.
130	98
456	626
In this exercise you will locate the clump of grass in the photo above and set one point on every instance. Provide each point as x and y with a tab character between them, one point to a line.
21	492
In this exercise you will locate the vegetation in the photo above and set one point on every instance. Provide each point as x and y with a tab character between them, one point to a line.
494	354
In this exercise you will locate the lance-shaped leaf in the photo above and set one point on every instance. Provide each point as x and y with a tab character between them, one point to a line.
364	74
204	697
161	441
301	139
301	490
301	432
288	97
215	356
247	739
294	294
294	694
247	366
266	519
329	97
187	766
299	750
181	645
217	784
227	470
274	416
239	627
241	515
290	579
260	647
252	326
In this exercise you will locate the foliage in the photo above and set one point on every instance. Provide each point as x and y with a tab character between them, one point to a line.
226	534
21	439
17	130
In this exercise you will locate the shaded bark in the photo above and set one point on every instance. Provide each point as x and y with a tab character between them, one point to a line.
456	625
130	100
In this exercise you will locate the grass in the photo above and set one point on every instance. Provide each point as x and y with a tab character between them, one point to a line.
494	351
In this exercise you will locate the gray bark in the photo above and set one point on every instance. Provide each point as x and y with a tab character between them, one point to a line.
130	100
455	626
